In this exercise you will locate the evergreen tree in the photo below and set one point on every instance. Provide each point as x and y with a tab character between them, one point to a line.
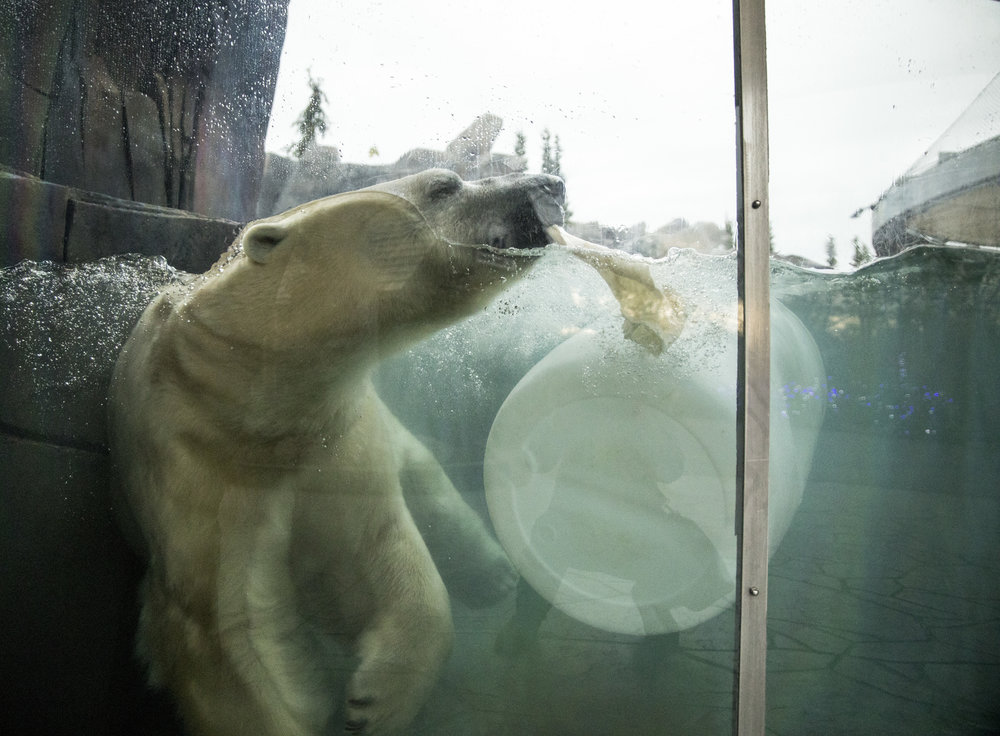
831	252
861	252
552	163
547	162
520	143
312	121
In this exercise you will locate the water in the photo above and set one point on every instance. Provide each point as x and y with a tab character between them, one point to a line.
884	593
60	331
908	344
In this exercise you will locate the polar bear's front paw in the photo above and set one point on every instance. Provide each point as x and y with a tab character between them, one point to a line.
385	714
485	577
384	698
499	579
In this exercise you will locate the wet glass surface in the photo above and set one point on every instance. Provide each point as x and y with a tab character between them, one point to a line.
599	451
883	596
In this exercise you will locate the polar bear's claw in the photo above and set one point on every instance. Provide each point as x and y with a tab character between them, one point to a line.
498	581
357	723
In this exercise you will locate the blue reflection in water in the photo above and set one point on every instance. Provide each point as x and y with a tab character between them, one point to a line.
903	408
886	589
905	342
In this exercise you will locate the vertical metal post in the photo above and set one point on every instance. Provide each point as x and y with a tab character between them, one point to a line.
753	372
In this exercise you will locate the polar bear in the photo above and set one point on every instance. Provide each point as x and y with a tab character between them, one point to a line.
280	504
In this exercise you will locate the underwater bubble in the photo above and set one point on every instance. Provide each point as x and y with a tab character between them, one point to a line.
67	323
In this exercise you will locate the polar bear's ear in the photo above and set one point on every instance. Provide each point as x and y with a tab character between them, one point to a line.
261	238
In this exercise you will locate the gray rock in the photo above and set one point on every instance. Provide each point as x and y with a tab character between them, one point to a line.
49	222
321	172
158	101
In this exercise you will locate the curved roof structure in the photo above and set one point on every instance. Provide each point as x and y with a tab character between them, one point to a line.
952	192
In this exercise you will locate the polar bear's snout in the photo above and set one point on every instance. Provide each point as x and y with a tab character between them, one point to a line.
538	202
549	199
509	212
546	200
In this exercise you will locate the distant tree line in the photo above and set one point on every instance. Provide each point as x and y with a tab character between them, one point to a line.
862	252
551	157
312	123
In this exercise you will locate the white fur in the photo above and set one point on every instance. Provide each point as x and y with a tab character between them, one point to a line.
266	478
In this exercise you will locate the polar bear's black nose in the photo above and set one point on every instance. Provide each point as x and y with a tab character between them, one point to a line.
555	187
529	204
546	184
548	197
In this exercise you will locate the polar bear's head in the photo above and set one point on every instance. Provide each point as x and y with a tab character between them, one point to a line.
504	213
399	259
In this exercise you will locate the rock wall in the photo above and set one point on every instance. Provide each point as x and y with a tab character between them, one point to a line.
49	222
321	172
159	101
125	127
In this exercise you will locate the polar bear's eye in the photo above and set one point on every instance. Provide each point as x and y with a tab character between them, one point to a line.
444	186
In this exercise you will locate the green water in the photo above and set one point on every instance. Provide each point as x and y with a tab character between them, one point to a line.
884	609
884	600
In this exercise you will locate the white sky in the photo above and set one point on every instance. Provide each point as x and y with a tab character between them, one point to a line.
641	95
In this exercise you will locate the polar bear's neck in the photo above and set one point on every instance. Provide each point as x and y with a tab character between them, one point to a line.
290	310
261	390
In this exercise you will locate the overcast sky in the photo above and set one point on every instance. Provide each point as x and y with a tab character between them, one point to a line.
641	95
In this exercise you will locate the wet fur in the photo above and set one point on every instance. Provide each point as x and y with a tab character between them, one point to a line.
282	507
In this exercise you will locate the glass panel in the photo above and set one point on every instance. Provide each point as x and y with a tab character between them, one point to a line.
584	411
608	472
884	603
